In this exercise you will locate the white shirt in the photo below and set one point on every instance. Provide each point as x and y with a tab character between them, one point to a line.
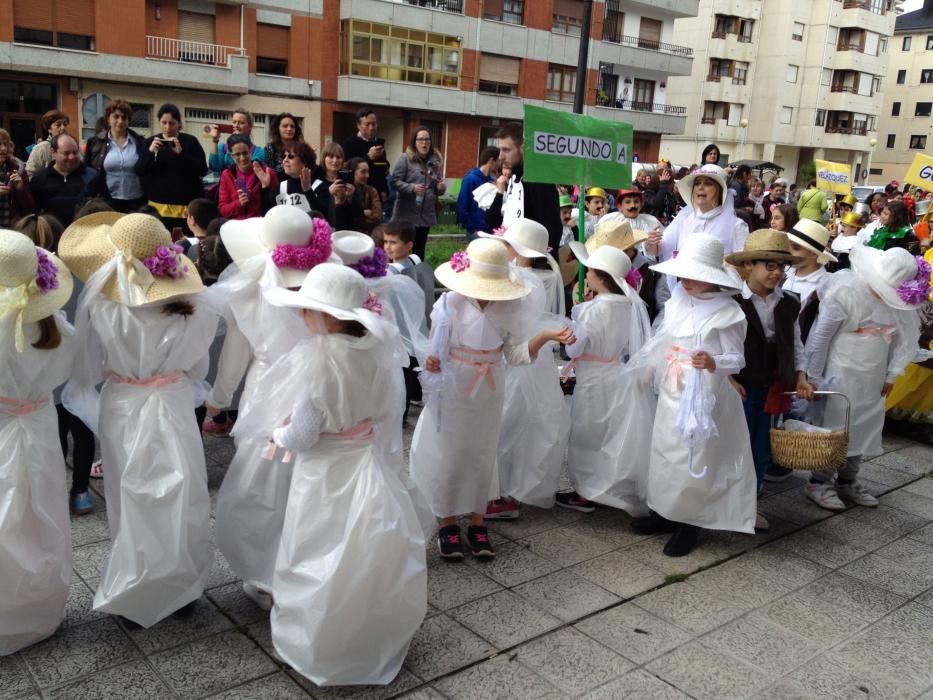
804	286
765	308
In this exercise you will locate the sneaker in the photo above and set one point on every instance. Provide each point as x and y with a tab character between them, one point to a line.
652	524
218	426
761	522
262	598
97	469
573	501
682	542
825	496
856	493
776	474
480	544
82	503
450	542
503	509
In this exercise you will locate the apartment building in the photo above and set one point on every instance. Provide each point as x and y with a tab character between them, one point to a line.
905	126
785	82
460	67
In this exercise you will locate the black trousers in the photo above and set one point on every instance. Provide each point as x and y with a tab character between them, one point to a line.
421	240
82	456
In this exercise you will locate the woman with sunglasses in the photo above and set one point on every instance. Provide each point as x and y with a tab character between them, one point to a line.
247	187
302	187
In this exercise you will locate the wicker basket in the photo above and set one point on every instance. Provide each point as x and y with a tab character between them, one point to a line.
811	451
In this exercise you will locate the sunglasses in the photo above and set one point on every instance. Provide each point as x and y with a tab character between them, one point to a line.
288	156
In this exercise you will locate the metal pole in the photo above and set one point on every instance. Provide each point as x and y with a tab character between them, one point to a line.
583	57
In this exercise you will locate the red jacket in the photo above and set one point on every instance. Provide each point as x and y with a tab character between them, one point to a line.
232	181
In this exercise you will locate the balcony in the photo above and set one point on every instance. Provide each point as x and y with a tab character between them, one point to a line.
650	45
643	116
850	130
444	5
166	49
876	6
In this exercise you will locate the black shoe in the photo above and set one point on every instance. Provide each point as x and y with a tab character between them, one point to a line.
776	474
186	612
480	544
652	524
450	542
573	501
682	542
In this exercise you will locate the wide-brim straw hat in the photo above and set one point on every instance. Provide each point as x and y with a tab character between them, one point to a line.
20	291
352	246
487	276
812	236
714	172
613	231
332	289
282	225
700	258
884	271
765	244
92	241
613	262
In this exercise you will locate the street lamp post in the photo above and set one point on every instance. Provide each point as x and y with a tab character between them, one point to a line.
744	125
871	142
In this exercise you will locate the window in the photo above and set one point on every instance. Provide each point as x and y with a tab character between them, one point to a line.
498	74
567	17
730	24
561	83
923	109
487	137
905	45
739	73
649	33
883	45
787	115
926	75
718	67
271	49
400	54
875	84
820	117
791	75
722	26
511	11
141	121
613	21
714	111
929	42
797	33
65	24
895	109
92	109
745	30
918	141
643	95
890	142
901	77
826	76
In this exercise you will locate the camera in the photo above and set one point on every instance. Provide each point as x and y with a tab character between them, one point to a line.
346	176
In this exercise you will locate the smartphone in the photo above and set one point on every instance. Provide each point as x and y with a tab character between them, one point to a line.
346	176
221	128
177	233
165	142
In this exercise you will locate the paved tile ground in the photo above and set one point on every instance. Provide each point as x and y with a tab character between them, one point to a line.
823	606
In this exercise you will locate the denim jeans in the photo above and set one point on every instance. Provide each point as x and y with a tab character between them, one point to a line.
759	426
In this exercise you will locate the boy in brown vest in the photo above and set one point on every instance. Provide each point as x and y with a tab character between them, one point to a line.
774	359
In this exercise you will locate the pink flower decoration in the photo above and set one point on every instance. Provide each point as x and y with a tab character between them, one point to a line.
917	290
459	261
305	257
168	262
633	278
47	275
499	231
373	304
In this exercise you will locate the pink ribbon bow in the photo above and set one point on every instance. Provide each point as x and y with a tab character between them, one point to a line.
586	357
20	407
885	332
675	365
484	362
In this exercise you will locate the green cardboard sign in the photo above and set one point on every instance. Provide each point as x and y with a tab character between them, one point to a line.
564	148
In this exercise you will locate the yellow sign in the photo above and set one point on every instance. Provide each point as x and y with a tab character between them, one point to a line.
834	177
921	172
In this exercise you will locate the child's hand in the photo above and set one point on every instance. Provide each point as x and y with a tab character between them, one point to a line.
886	389
805	389
738	387
432	364
703	360
564	336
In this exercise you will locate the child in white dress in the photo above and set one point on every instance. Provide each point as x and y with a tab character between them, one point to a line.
475	328
610	437
701	472
140	333
36	352
350	584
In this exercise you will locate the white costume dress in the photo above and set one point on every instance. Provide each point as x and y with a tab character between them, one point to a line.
35	529
721	223
858	343
720	493
350	581
804	285
532	441
610	437
453	451
151	364
251	500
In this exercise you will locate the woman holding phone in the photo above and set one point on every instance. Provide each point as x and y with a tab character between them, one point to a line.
247	187
171	167
345	210
417	178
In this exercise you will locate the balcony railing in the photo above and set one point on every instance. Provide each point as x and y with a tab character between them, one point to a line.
876	7
846	46
633	106
851	130
446	5
618	38
844	88
189	51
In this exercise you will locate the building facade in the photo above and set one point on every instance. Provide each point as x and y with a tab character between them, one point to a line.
784	82
905	126
459	67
